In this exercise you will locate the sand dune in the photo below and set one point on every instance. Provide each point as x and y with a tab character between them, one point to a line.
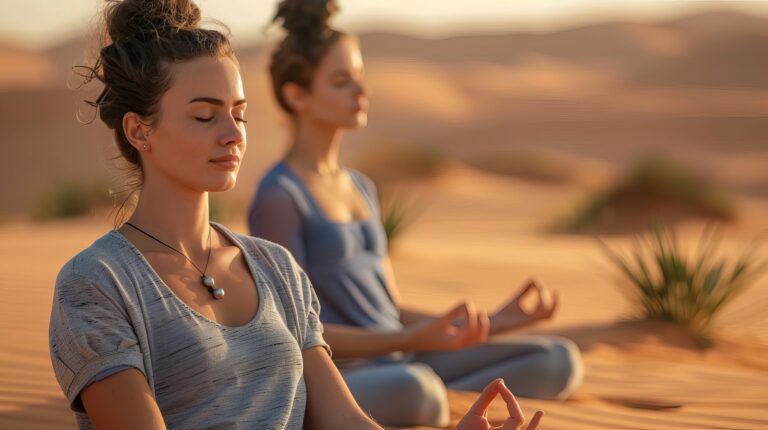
604	93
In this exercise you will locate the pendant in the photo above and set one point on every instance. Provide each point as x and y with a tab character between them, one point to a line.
209	282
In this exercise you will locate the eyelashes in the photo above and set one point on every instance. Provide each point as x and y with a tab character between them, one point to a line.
242	120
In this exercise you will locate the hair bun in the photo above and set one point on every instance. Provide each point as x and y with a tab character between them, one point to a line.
305	16
147	18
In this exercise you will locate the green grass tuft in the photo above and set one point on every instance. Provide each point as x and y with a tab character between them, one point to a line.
654	189
69	200
664	283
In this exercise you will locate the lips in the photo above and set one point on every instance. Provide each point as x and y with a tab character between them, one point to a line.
228	162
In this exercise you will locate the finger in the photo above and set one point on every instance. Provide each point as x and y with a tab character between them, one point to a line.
459	312
480	407
471	329
555	303
484	325
527	288
515	413
543	295
534	424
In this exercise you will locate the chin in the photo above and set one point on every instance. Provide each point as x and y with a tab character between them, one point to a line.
222	186
358	122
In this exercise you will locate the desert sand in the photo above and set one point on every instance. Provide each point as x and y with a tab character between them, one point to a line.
589	101
638	375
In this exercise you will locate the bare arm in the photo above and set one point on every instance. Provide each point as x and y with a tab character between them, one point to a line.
330	405
122	401
349	341
408	316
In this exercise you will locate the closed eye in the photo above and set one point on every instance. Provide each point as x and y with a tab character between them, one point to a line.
204	119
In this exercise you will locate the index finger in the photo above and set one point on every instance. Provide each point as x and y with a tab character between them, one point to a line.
531	284
512	406
480	407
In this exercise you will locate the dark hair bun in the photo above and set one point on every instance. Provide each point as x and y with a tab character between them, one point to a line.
306	17
143	19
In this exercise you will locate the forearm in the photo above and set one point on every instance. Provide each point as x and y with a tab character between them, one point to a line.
410	316
122	401
356	342
330	404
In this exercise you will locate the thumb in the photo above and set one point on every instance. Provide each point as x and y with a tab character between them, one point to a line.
458	311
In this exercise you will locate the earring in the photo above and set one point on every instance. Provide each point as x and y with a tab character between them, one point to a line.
145	146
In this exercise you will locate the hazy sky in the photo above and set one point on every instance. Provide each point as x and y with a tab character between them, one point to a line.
40	23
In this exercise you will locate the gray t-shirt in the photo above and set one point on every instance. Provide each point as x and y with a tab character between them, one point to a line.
111	311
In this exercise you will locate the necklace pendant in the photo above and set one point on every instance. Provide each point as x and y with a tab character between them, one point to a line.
208	281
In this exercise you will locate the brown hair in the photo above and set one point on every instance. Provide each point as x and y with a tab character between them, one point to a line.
144	37
308	39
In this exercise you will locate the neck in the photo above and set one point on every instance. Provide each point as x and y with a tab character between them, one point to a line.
315	148
178	217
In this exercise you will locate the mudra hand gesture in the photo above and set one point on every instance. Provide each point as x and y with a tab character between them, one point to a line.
476	418
513	315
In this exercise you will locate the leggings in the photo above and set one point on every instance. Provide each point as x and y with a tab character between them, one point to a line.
414	393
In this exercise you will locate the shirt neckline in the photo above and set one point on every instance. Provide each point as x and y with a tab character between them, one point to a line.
258	279
293	175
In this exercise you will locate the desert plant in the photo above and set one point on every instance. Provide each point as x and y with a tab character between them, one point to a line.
666	284
70	200
653	188
398	213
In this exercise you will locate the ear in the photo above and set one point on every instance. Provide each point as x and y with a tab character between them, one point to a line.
137	131
295	96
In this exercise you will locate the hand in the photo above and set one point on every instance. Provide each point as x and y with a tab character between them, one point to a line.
513	315
476	418
463	326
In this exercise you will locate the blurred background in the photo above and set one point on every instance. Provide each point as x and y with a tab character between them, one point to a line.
503	135
556	91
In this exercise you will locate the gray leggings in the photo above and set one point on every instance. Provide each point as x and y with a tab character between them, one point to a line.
414	393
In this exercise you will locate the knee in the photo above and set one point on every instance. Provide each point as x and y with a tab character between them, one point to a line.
424	400
563	367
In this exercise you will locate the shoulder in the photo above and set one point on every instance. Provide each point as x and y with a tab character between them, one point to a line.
99	273
362	177
364	180
277	178
99	264
278	188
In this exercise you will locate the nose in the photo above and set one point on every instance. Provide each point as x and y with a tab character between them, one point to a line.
360	89
234	132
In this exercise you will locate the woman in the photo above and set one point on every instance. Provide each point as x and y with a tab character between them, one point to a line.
171	321
396	361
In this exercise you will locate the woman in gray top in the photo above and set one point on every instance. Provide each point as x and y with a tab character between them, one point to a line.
396	361
171	321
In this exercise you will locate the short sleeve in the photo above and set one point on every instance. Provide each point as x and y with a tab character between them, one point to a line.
90	336
313	330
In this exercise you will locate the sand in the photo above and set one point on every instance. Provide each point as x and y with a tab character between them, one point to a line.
467	243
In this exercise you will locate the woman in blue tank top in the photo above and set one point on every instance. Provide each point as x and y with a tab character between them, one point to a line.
396	361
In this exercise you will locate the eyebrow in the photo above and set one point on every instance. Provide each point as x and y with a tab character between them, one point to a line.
215	101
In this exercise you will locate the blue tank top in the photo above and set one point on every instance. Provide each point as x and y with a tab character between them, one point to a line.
343	260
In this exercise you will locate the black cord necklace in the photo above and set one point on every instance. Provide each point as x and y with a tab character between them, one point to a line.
207	281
